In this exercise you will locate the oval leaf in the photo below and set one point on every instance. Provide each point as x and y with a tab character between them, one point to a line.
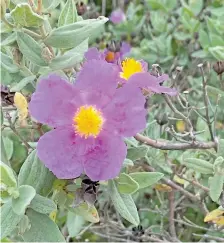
72	35
34	173
216	186
9	220
145	179
70	58
199	165
8	64
26	194
43	229
74	223
124	204
137	153
68	14
22	84
126	184
30	49
43	205
7	175
23	15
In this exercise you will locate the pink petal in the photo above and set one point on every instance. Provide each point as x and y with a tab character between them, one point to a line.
93	53
104	160
126	114
54	101
62	152
97	81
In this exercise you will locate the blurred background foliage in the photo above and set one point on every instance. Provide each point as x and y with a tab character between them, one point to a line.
177	36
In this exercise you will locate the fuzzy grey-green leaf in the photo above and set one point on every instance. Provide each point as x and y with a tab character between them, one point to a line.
216	186
26	194
30	49
198	165
43	229
71	35
34	173
126	184
145	179
68	14
23	15
42	204
9	220
124	204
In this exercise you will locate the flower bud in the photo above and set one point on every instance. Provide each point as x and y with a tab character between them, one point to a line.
218	67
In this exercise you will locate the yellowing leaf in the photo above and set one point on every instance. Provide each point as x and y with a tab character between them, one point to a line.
163	188
180	125
21	105
213	215
219	221
53	215
59	184
179	180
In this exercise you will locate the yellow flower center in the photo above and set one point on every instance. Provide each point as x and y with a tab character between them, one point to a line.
129	67
88	121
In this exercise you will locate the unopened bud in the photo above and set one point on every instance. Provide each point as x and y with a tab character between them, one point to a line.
218	67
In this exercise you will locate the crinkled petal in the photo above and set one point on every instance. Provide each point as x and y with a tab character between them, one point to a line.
62	152
144	65
126	114
97	82
104	160
93	54
53	102
162	78
150	82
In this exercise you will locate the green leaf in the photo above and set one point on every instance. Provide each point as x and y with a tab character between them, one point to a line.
30	49
145	179
219	165
4	157
51	4
7	175
8	144
72	35
217	52
199	54
22	84
89	213
68	14
24	225
8	64
74	224
43	229
9	220
9	40
137	153
23	15
34	173
126	184
221	147
42	204
216	186
204	39
26	194
123	204
199	165
70	58
196	6
127	163
216	40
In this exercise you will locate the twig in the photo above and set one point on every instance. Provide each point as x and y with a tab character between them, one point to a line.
174	146
171	198
39	6
12	127
211	237
206	101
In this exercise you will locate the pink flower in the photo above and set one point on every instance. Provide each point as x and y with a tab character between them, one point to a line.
91	119
111	54
117	16
136	73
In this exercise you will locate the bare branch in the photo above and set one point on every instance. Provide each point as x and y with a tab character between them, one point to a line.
174	146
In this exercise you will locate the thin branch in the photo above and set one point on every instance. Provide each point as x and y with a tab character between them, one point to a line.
211	237
174	146
206	101
171	198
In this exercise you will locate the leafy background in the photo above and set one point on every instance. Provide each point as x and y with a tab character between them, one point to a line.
161	194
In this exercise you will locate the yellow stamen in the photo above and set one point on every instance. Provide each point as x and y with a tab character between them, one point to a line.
129	67
88	121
